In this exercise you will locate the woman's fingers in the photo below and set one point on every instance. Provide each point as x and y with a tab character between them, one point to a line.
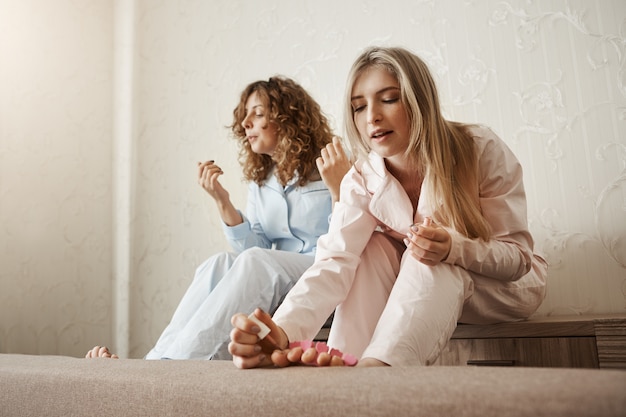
333	153
208	169
247	362
428	242
247	348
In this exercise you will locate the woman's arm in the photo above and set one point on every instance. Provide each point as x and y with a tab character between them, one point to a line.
249	232
325	284
509	252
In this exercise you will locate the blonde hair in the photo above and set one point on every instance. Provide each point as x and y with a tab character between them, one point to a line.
303	130
442	150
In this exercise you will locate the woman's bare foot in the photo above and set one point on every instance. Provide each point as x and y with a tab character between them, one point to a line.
101	352
312	353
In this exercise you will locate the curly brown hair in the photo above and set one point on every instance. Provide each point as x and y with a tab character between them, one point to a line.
303	130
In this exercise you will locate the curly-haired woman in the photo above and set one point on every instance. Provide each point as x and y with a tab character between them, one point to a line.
294	168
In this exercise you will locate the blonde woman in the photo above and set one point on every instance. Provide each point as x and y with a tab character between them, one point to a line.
430	230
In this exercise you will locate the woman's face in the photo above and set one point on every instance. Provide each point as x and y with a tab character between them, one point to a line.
260	132
379	115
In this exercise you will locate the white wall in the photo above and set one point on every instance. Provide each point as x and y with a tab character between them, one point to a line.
55	175
549	76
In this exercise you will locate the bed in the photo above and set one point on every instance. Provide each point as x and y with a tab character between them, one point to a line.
33	385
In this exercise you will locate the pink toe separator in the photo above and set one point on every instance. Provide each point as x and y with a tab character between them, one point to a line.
321	347
305	344
349	360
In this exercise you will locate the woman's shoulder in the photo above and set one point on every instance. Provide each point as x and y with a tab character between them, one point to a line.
313	185
370	163
481	132
367	173
494	154
486	140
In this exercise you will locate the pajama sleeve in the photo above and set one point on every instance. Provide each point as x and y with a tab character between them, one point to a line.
508	254
249	233
327	282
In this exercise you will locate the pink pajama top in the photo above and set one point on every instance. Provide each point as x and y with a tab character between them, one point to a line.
372	199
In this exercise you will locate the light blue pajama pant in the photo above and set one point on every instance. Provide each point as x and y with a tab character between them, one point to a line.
226	284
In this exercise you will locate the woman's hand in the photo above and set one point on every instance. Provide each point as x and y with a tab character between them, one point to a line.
333	164
208	174
248	350
428	242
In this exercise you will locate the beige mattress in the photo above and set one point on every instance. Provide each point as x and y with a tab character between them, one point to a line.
65	386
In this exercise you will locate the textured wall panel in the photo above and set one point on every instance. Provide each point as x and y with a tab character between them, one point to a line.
548	76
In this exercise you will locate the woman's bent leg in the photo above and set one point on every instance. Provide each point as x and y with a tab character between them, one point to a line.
206	278
356	317
257	278
495	301
421	313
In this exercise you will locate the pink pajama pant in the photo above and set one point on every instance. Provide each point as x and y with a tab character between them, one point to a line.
403	312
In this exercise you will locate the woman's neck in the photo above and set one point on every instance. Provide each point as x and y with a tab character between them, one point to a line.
409	176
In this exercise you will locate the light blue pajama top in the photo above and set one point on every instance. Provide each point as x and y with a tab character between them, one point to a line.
289	218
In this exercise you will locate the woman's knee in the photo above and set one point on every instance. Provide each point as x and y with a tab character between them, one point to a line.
254	255
221	260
